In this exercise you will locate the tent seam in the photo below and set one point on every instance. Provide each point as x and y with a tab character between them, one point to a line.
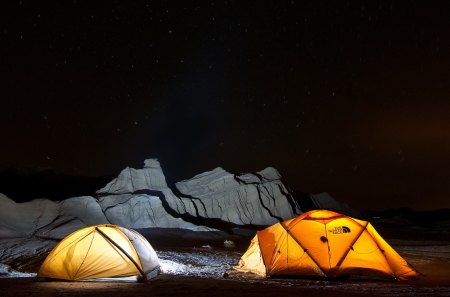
304	250
132	231
338	264
122	250
275	249
66	246
328	245
85	256
384	255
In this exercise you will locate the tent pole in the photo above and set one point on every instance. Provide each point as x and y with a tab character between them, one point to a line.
305	250
122	250
338	265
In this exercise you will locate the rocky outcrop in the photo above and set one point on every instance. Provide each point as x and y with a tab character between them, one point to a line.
141	211
48	219
247	199
23	219
142	199
73	214
131	180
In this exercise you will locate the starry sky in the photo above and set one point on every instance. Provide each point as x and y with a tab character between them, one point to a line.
347	97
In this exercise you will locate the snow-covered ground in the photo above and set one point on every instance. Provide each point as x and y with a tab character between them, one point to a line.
6	271
201	262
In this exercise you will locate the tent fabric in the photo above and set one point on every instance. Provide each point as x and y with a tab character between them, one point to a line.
101	251
323	243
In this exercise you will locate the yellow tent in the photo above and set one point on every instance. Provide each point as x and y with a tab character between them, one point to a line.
322	243
101	251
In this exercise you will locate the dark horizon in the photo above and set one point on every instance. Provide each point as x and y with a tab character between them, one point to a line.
345	98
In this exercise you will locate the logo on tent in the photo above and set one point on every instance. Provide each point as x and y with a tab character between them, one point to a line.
340	230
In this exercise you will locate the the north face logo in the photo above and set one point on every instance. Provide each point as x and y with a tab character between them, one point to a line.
340	230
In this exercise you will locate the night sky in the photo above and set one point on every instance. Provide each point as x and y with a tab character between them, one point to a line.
351	98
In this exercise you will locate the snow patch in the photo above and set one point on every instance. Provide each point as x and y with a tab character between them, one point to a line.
7	272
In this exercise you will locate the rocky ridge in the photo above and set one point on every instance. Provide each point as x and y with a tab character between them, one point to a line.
141	198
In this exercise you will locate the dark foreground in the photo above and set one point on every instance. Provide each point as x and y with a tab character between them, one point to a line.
200	272
170	285
205	269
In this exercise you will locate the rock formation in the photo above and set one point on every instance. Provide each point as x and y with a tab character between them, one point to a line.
48	219
140	211
142	199
247	199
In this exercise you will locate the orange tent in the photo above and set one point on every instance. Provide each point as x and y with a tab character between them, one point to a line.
101	251
322	243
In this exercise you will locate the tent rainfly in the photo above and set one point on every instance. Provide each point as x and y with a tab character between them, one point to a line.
101	251
322	243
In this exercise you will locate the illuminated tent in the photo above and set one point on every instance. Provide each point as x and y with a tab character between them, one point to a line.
322	243
102	251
